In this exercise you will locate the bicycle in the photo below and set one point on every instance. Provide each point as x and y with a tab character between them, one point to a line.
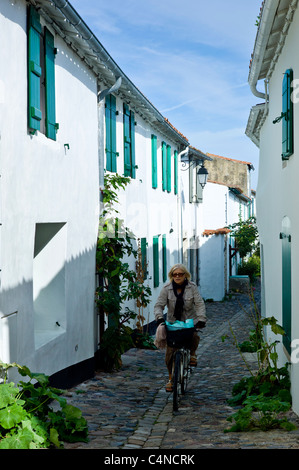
180	339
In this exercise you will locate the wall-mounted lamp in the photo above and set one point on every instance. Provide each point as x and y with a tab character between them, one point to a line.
202	176
202	172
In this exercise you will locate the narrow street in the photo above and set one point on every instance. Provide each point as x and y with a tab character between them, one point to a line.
130	409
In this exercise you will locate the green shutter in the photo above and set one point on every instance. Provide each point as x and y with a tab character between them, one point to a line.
164	257
175	172
164	167
143	245
127	141
287	113
51	125
132	131
286	287
34	70
108	133
156	260
154	162
110	120
168	168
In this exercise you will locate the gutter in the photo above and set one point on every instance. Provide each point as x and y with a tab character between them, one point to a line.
267	17
87	35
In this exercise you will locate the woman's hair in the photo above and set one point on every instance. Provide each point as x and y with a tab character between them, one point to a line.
179	266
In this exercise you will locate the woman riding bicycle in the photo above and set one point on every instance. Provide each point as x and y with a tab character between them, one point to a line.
183	301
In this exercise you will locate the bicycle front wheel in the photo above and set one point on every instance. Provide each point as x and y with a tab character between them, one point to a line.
176	380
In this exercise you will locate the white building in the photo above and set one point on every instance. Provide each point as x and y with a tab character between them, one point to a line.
273	126
227	200
49	193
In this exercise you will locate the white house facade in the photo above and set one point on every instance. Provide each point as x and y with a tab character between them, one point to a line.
224	204
49	194
273	126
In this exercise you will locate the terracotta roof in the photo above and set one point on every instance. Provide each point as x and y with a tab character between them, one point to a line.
168	122
218	231
230	159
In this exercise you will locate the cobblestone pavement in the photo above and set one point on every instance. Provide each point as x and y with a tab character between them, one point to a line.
130	409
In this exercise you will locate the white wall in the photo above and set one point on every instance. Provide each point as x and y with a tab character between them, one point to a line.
43	182
277	193
149	212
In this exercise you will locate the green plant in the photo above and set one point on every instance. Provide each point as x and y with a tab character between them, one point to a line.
119	283
27	419
265	394
246	235
251	267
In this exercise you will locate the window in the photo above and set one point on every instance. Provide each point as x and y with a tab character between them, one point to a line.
175	172
287	115
41	77
154	162
110	121
164	167
168	168
156	260
129	142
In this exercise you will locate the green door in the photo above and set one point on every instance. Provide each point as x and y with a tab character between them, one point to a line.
286	283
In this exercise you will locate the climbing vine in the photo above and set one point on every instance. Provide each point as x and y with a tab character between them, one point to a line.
119	283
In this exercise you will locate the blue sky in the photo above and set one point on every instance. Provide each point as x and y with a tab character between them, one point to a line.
190	59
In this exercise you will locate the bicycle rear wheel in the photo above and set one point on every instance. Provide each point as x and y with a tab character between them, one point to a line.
185	372
176	380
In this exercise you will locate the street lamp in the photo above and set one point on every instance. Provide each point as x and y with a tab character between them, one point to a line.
202	176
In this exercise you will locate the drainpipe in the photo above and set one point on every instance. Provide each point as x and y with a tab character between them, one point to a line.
266	22
180	210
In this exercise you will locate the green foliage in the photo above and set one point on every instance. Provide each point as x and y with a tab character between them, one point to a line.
251	267
265	395
245	234
27	419
119	283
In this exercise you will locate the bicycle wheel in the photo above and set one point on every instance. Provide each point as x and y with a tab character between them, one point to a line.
185	372
176	380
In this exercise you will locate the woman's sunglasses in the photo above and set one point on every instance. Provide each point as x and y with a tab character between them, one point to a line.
178	274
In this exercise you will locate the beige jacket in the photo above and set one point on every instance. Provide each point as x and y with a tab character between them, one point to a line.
194	306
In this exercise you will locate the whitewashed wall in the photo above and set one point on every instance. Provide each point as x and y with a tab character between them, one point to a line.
44	182
277	194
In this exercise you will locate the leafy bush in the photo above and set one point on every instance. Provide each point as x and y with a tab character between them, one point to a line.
27	419
265	395
252	268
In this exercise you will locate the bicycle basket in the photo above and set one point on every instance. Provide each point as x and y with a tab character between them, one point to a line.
180	338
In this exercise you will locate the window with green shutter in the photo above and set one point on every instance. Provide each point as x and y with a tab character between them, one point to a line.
168	167
110	121
41	77
175	172
156	260
34	69
164	258
164	167
129	142
154	162
287	115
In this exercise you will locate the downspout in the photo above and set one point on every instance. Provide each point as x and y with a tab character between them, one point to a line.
180	210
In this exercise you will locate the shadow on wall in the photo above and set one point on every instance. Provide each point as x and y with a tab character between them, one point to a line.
49	323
